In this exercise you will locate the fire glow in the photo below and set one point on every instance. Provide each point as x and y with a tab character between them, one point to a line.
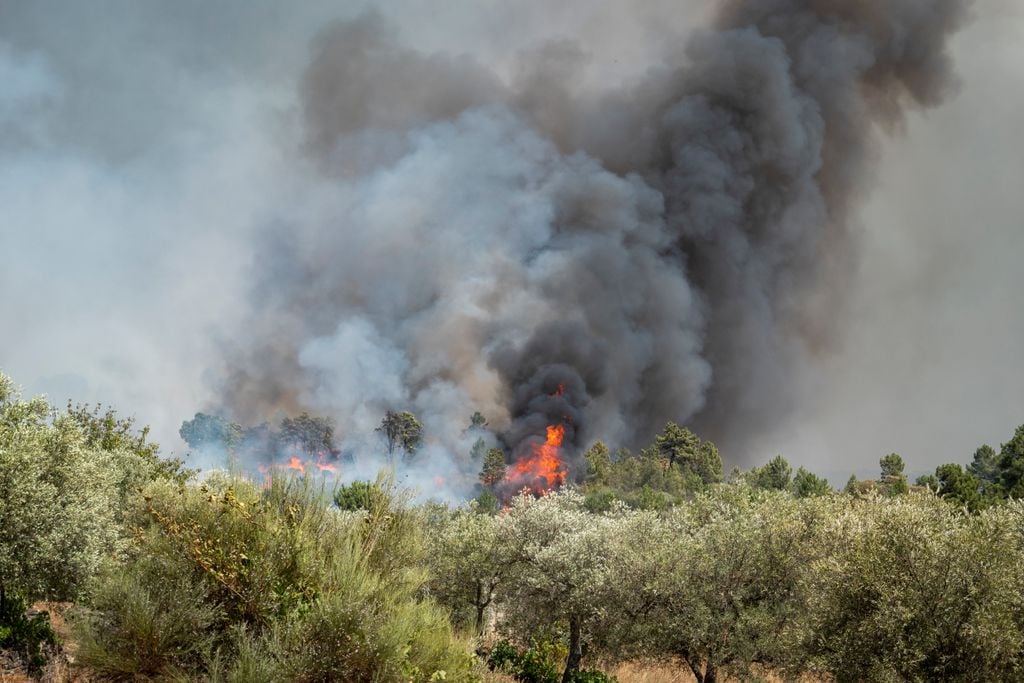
544	469
300	465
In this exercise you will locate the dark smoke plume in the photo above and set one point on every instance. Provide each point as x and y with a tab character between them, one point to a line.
668	250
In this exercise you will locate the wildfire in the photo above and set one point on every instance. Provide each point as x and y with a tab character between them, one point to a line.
543	470
321	464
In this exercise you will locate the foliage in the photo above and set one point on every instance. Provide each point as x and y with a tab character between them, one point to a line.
536	664
1011	465
636	478
359	495
477	421
401	431
654	557
959	486
985	468
58	498
729	595
469	563
504	656
479	450
738	580
205	430
913	589
806	484
893	482
684	449
137	460
310	434
487	502
776	475
494	467
301	589
598	463
674	468
563	578
27	635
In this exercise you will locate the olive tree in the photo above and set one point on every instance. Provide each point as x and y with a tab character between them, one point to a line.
57	500
469	562
732	596
563	574
914	589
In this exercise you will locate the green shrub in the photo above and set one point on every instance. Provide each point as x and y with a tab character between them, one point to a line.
359	495
231	581
57	501
504	657
591	677
536	664
26	635
600	500
150	618
487	503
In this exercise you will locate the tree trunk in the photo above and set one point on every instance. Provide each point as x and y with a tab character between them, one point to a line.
698	672
710	673
572	664
480	607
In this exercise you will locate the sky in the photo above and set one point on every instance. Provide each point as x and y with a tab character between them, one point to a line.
144	148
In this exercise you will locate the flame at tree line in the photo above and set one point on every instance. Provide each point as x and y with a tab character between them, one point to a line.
544	469
300	465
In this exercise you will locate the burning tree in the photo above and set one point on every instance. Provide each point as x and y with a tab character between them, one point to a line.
540	465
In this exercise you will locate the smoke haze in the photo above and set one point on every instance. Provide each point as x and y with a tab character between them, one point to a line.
732	216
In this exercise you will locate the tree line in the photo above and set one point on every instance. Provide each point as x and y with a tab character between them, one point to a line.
657	556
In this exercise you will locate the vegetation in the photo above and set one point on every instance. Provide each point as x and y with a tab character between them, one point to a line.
229	579
402	432
648	557
305	436
27	634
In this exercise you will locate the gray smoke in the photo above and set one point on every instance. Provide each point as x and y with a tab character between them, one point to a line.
458	213
667	250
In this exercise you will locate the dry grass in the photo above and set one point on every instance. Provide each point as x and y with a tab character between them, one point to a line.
647	672
642	672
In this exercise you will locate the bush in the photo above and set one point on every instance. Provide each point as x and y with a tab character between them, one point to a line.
236	582
503	657
591	677
26	635
57	501
536	664
359	495
915	589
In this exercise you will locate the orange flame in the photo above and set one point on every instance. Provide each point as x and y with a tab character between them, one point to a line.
296	464
544	469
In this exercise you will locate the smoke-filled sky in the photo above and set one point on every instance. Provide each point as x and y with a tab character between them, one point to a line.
799	234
